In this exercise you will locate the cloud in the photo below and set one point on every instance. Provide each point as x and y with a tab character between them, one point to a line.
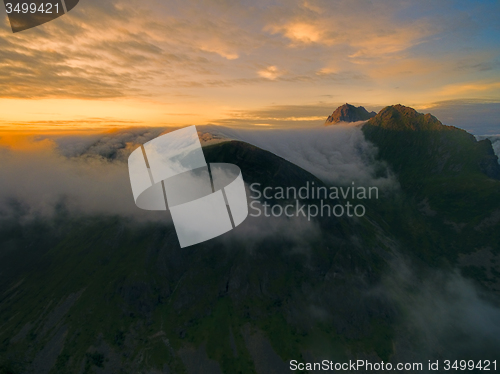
116	145
378	32
484	62
64	125
443	313
75	57
92	54
496	146
40	179
335	154
151	49
470	88
281	115
298	231
89	174
479	117
299	32
271	72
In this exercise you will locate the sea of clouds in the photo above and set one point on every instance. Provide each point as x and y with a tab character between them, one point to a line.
85	174
337	154
89	173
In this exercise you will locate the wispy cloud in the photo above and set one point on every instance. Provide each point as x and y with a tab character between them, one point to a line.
492	88
280	115
479	117
231	55
271	72
365	29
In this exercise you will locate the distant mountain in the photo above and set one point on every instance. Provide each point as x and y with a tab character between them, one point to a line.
349	113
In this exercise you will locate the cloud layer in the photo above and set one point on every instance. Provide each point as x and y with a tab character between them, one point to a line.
39	179
379	51
336	154
89	174
444	312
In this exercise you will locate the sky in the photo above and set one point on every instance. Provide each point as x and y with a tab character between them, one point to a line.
126	63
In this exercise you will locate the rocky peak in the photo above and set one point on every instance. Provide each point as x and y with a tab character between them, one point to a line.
349	113
400	117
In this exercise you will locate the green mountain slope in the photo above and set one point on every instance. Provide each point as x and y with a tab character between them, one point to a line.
106	294
450	187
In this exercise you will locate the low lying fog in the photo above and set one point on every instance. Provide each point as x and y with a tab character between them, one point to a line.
90	174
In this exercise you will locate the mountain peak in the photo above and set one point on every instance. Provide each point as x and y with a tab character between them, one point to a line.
400	117
349	113
418	146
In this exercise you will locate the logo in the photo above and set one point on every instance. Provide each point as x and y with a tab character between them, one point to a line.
205	200
25	14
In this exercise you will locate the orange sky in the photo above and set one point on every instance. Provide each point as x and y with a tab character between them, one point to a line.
151	63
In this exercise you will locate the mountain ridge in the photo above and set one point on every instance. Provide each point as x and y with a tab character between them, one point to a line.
399	117
429	146
102	294
349	113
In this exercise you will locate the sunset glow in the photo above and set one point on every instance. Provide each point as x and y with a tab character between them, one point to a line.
129	63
